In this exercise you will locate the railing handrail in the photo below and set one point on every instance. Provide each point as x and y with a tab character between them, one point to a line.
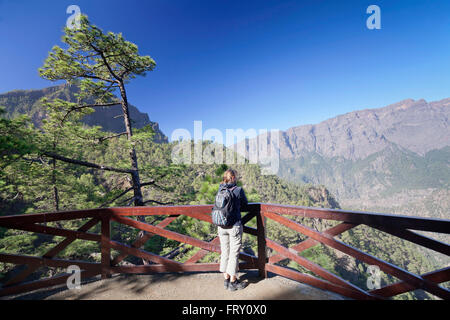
363	217
396	225
360	217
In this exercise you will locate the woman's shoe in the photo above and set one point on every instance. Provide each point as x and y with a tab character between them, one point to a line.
236	285
226	283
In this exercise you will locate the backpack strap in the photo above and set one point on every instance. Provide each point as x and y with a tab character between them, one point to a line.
231	190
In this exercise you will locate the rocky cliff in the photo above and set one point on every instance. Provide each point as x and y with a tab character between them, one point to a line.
28	102
417	126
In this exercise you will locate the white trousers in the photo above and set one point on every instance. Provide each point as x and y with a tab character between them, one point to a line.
230	245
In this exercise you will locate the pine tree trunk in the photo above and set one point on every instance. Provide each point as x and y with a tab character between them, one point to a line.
135	180
55	188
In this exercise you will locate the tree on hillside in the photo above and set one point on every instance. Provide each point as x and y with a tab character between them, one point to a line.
16	141
101	64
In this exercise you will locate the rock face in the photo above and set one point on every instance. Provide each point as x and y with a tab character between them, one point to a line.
371	154
27	102
417	126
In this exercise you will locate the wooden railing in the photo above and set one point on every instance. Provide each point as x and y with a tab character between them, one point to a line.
399	226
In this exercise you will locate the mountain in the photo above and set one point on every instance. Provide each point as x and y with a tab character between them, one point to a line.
416	126
393	159
28	102
374	151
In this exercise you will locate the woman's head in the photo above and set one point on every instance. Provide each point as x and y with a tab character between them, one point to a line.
229	176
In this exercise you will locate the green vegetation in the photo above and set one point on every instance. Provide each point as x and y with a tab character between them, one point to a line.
401	169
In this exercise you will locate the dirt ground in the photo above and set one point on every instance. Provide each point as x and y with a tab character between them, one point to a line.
186	286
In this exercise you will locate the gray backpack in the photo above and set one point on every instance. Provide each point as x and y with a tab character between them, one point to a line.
222	213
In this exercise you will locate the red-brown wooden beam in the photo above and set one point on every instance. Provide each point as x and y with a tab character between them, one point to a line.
202	252
56	231
142	254
51	253
205	216
169	210
315	282
22	259
262	246
194	267
249	216
419	239
368	218
160	210
384	266
29	269
250	230
106	247
438	276
308	243
356	217
166	233
139	242
242	255
66	242
7	221
39	284
325	274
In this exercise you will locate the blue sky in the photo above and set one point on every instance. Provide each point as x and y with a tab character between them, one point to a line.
250	64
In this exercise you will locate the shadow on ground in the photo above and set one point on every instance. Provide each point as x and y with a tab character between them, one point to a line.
183	286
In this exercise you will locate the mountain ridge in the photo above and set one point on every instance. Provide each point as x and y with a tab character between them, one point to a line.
22	101
348	135
365	155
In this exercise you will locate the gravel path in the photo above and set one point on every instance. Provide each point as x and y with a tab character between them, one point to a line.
186	286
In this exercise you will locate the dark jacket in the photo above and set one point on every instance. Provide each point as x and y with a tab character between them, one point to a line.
240	200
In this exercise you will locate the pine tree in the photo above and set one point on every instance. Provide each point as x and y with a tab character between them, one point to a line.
101	64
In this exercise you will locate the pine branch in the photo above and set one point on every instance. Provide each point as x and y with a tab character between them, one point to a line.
160	203
102	55
177	251
101	139
115	198
147	183
165	189
131	201
95	105
85	163
94	77
124	193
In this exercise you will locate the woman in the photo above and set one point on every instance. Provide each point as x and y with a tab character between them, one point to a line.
231	238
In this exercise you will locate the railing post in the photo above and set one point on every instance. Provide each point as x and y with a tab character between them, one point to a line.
262	248
105	247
